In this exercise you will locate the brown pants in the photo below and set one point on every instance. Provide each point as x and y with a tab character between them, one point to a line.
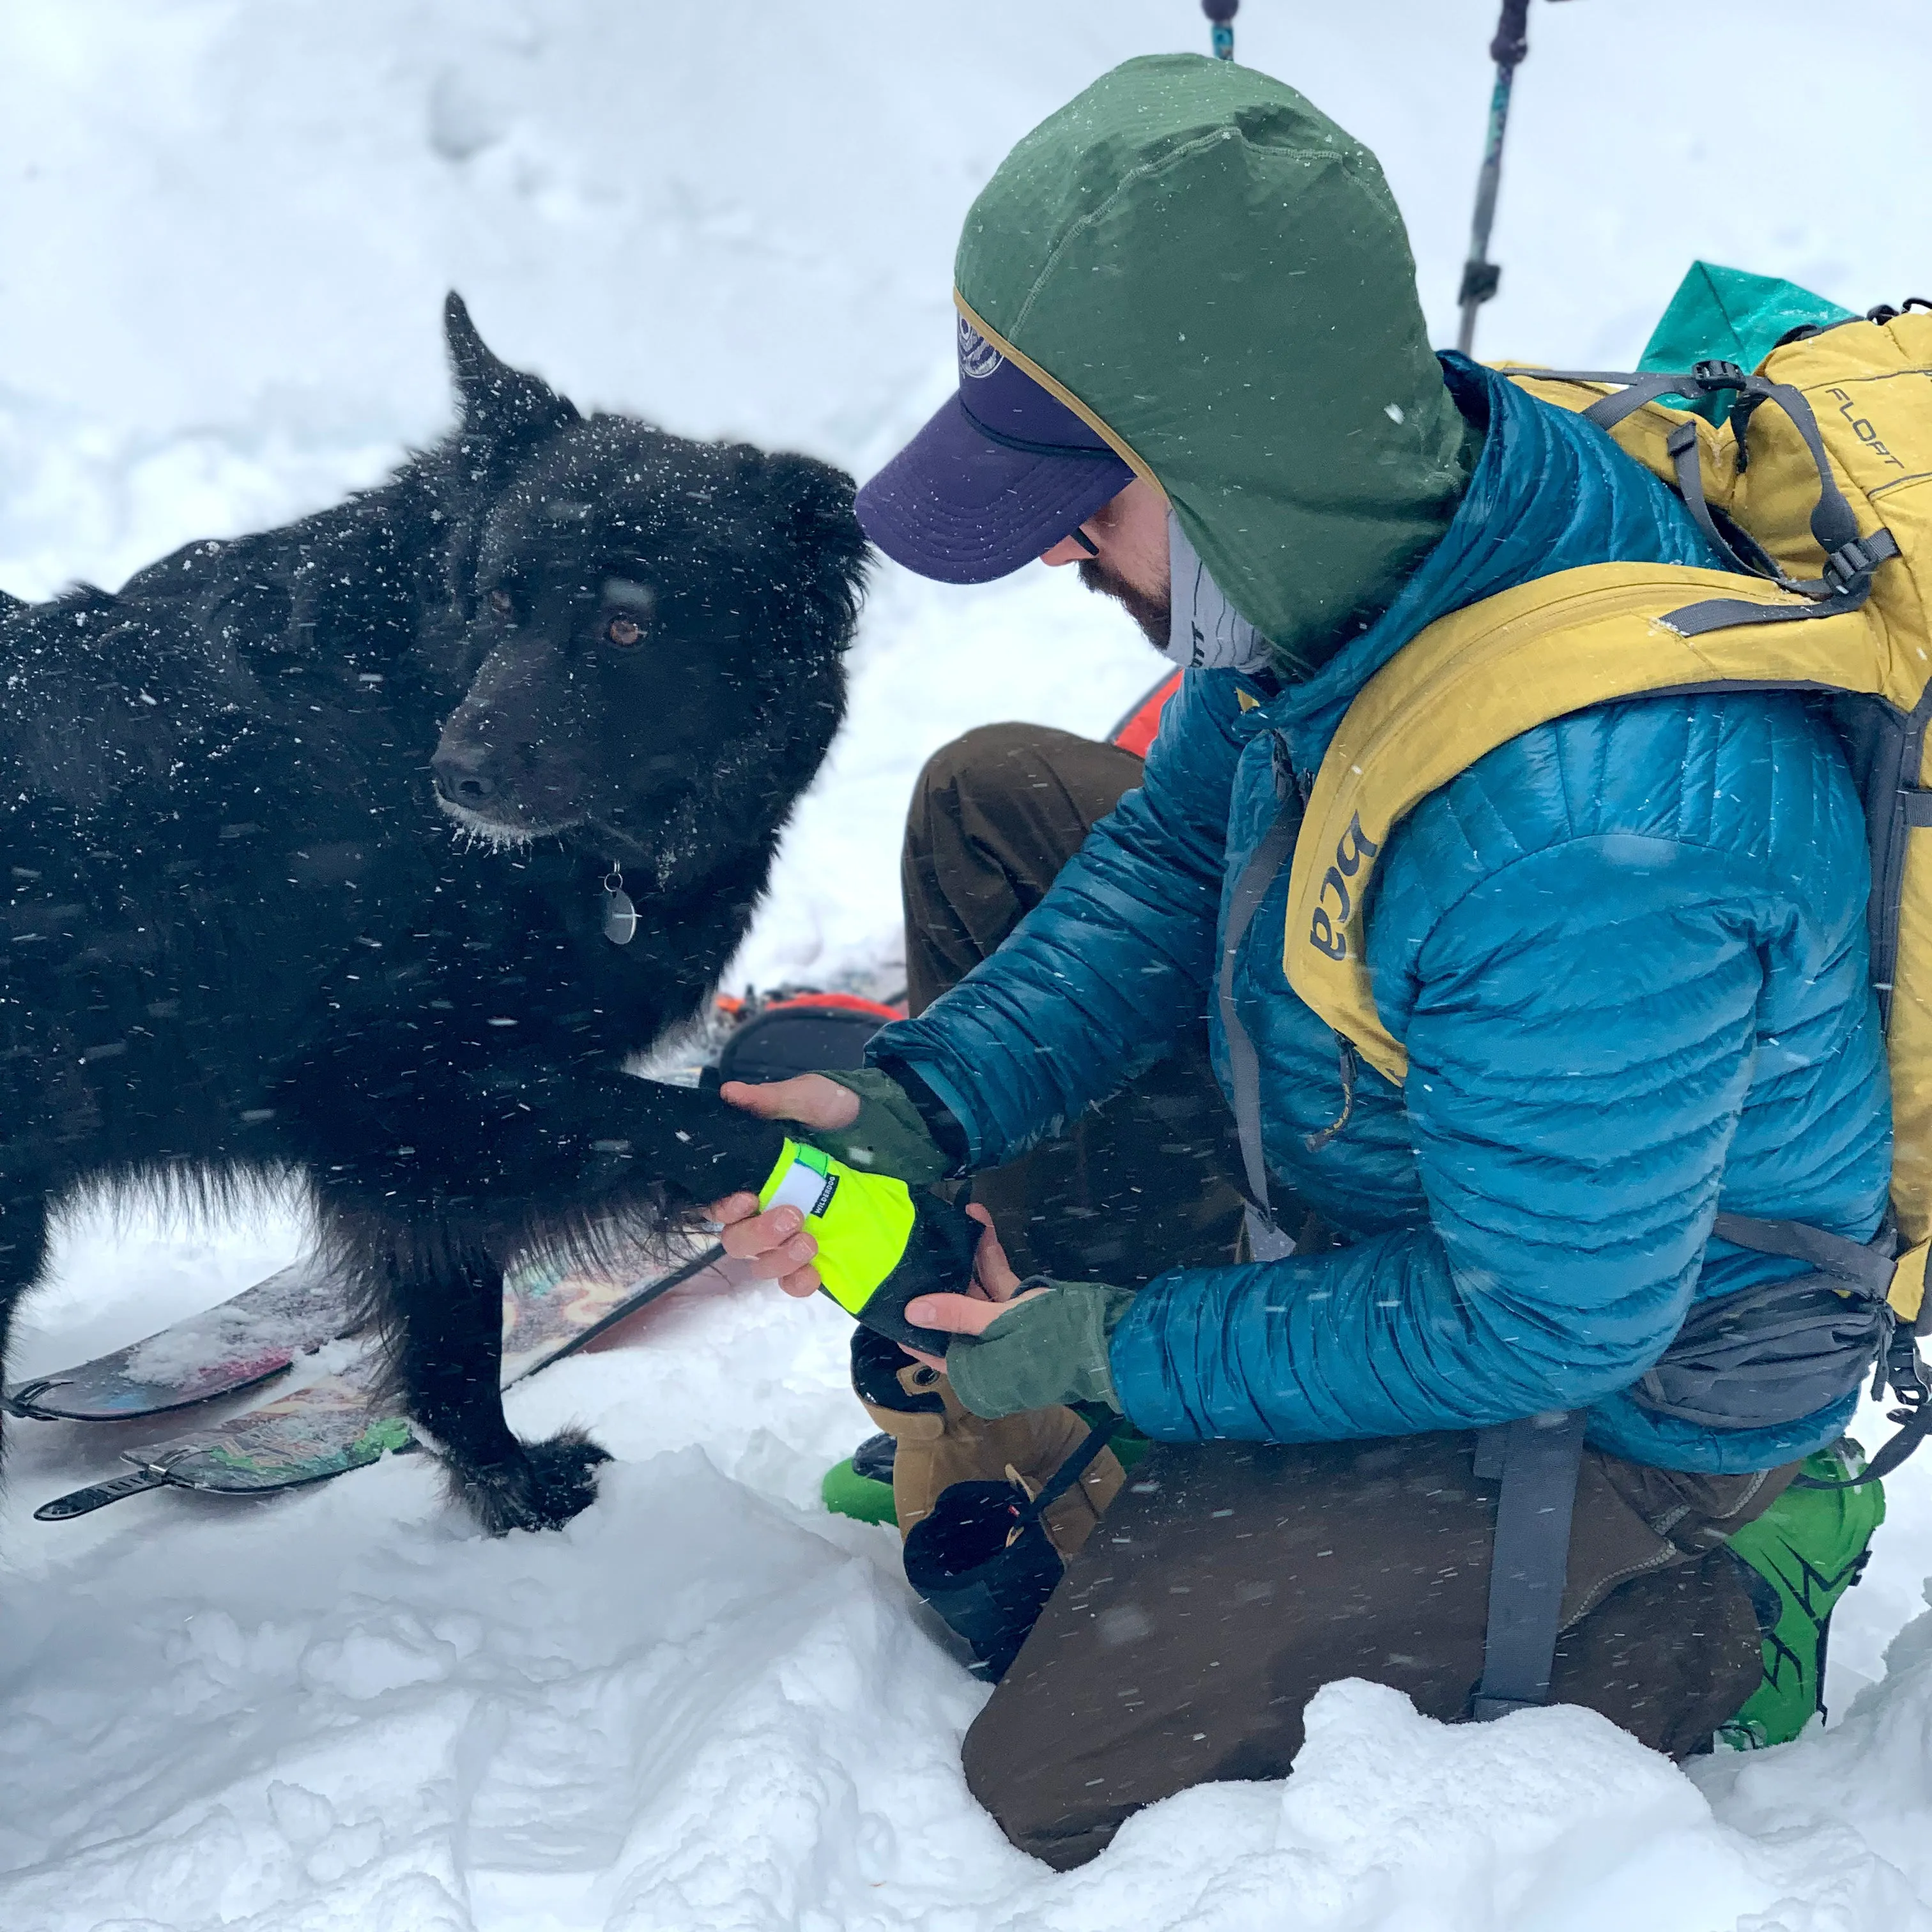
1231	1581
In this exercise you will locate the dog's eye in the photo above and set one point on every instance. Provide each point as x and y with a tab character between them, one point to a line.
623	632
499	602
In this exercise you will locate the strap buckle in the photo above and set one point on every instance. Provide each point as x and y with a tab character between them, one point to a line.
1847	564
1719	375
1901	1371
1853	563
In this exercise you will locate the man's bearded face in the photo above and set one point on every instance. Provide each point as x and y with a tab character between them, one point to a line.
1150	610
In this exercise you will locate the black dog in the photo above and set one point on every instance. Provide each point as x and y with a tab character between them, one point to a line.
325	845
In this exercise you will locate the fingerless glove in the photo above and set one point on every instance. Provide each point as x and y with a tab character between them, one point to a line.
890	1135
1051	1349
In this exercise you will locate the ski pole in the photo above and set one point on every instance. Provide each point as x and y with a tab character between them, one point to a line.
1221	16
1480	275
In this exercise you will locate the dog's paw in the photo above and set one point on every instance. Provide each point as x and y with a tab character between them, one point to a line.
542	1489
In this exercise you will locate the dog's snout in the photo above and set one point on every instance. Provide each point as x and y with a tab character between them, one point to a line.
461	775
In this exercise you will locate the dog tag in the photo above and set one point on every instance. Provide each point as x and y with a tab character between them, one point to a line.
620	916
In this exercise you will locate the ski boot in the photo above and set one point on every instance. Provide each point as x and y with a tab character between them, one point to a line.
861	1486
1807	1550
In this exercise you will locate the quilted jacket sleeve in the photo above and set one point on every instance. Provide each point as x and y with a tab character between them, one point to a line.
1584	1025
1101	977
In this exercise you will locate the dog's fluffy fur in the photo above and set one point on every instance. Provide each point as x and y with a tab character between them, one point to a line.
309	832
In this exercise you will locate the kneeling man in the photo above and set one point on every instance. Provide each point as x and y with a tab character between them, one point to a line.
1624	955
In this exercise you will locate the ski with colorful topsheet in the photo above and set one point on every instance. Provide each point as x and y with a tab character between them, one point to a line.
344	1421
238	1345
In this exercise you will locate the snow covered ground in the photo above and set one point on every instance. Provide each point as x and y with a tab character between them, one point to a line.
707	1707
226	228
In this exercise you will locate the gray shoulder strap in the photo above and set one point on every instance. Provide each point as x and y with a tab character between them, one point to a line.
1266	1242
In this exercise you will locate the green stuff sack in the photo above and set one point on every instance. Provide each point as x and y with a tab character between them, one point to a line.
1732	315
1809	1546
879	1244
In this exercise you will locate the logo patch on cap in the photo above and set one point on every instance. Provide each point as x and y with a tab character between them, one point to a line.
978	358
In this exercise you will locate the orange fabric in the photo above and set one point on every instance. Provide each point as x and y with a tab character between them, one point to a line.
851	1002
1135	732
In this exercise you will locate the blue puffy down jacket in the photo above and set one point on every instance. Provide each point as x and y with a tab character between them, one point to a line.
1625	953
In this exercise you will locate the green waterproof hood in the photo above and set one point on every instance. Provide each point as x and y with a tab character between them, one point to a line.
1216	275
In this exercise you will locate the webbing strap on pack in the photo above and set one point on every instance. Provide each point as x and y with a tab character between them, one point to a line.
1266	1241
1850	558
1866	1264
1869	1267
1070	1471
1916	1425
1538	1459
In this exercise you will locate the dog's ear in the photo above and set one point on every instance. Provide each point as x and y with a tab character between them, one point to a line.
498	401
816	509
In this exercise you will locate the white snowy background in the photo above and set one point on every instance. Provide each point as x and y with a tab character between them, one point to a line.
224	231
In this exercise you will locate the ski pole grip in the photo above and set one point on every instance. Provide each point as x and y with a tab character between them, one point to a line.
1512	40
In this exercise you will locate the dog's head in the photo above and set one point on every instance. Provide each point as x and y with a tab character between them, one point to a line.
653	628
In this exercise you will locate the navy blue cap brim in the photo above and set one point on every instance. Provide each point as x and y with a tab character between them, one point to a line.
957	507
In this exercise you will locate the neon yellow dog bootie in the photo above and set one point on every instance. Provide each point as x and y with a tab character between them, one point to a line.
878	1246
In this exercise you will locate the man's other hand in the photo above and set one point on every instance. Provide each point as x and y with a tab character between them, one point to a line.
810	1098
995	1289
772	1241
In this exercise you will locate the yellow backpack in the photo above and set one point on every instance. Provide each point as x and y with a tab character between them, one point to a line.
1819	484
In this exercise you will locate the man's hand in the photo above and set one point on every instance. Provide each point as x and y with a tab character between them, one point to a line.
810	1098
1025	1349
995	1289
772	1241
861	1116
